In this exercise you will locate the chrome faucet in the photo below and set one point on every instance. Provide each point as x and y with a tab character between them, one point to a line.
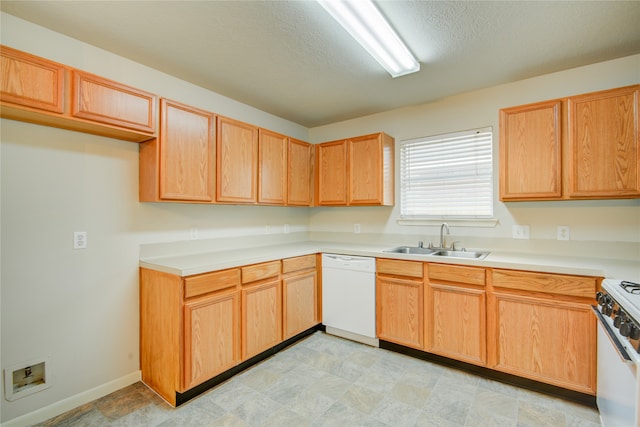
442	228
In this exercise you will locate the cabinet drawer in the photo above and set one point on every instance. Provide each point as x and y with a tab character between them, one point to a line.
210	282
399	268
106	101
579	286
456	273
262	271
298	263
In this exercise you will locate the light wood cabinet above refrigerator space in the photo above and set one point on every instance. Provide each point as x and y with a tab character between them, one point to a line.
40	91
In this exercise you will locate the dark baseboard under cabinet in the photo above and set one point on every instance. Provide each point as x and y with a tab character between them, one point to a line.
220	378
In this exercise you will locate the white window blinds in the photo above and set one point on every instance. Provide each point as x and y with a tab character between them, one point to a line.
447	176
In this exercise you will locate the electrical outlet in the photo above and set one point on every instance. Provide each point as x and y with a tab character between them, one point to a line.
79	240
286	229
564	232
521	232
356	228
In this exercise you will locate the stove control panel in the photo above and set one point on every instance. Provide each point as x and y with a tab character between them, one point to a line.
619	319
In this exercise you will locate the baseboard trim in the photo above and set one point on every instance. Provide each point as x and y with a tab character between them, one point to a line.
62	406
220	378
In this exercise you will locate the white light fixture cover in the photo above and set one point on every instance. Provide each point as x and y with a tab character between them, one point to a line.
366	24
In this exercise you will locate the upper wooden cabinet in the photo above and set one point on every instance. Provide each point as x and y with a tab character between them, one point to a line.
300	173
580	147
371	180
105	101
272	167
40	91
331	182
356	171
531	151
603	152
236	161
31	82
179	166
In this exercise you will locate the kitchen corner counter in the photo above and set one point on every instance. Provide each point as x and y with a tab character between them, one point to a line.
198	263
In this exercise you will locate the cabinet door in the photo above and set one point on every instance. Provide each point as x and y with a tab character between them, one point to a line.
300	175
332	173
603	144
300	302
186	153
211	337
261	317
457	323
104	101
530	152
236	161
371	170
30	81
547	340
400	311
272	168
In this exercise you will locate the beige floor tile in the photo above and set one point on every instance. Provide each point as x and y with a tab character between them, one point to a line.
329	381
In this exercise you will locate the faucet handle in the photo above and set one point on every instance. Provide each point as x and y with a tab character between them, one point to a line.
430	245
453	245
420	244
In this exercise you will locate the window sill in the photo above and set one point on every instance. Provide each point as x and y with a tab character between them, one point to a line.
481	222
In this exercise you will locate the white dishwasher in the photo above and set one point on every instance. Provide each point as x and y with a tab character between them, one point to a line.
349	297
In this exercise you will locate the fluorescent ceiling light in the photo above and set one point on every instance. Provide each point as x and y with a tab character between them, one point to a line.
367	25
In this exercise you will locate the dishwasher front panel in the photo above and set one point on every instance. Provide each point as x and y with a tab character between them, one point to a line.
349	299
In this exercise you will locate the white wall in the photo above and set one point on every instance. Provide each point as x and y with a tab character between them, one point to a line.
615	223
79	308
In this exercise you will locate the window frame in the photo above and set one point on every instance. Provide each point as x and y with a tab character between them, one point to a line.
486	179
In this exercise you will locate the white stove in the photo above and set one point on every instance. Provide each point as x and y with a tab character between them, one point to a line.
618	313
619	304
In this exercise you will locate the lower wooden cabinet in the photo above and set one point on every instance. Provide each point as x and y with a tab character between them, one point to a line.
542	335
261	317
211	336
196	327
530	324
299	295
456	313
400	302
189	328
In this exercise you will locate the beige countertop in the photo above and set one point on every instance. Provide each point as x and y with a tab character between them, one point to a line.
187	265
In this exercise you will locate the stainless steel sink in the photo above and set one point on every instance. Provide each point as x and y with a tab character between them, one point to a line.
462	254
414	250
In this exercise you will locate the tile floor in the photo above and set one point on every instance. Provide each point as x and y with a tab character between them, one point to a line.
328	381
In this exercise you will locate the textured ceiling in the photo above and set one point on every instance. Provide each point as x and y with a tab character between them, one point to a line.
290	59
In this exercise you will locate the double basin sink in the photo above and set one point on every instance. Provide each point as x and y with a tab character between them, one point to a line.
415	250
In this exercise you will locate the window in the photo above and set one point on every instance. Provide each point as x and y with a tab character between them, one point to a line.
447	176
